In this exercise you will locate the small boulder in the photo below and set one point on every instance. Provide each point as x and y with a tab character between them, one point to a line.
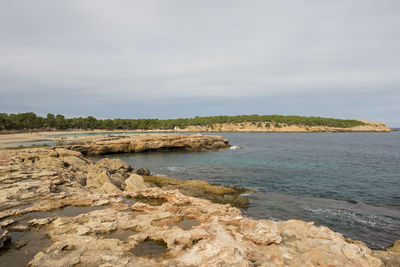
50	162
80	178
97	178
142	171
74	161
114	165
134	183
62	152
109	188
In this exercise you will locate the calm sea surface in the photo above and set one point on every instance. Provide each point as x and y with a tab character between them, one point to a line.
349	182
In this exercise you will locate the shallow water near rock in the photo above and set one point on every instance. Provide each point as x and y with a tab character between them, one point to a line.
122	235
18	254
23	247
150	249
150	200
186	224
346	181
68	211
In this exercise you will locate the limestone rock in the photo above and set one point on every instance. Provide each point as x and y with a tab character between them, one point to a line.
109	188
134	183
5	237
50	162
149	142
142	171
62	152
96	178
40	222
74	161
114	165
202	189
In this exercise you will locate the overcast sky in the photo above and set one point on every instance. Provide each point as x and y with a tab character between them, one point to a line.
169	59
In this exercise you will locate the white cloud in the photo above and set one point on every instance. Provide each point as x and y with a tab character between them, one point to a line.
119	50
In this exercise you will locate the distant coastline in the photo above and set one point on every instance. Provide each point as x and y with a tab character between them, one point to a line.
30	122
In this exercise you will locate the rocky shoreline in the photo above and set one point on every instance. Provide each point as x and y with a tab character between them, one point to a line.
112	144
370	126
58	208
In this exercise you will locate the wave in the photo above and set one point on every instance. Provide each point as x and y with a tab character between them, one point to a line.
175	168
235	147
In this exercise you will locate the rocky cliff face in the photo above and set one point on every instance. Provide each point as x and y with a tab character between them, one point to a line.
370	126
148	142
58	208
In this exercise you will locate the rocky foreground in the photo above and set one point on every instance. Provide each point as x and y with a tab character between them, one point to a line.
58	208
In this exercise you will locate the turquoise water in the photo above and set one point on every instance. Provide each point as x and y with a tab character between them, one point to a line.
349	182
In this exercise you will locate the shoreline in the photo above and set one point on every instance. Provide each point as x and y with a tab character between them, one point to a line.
6	138
123	212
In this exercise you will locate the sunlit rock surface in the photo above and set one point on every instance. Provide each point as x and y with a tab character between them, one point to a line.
100	145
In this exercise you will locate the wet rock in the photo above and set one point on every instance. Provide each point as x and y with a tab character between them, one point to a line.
5	237
6	223
142	171
40	222
19	228
202	189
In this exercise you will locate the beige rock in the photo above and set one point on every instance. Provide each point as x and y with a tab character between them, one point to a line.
62	152
40	222
114	165
109	188
370	126
96	178
149	142
50	162
74	161
134	183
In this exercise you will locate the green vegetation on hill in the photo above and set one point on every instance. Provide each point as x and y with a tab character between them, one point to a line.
30	120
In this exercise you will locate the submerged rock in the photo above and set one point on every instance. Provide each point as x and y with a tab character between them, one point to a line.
202	189
142	171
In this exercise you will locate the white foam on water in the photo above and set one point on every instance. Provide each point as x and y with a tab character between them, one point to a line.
234	147
175	168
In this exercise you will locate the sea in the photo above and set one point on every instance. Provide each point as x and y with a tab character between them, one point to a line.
349	182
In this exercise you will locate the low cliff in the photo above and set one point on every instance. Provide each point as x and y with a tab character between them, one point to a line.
147	142
370	126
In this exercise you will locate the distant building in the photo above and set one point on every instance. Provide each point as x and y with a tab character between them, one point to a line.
176	128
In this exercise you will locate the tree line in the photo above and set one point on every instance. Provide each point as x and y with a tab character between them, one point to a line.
29	120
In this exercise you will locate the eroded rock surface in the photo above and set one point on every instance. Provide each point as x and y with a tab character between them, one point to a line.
100	145
202	189
54	219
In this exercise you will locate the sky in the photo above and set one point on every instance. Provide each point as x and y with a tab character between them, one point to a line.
186	58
